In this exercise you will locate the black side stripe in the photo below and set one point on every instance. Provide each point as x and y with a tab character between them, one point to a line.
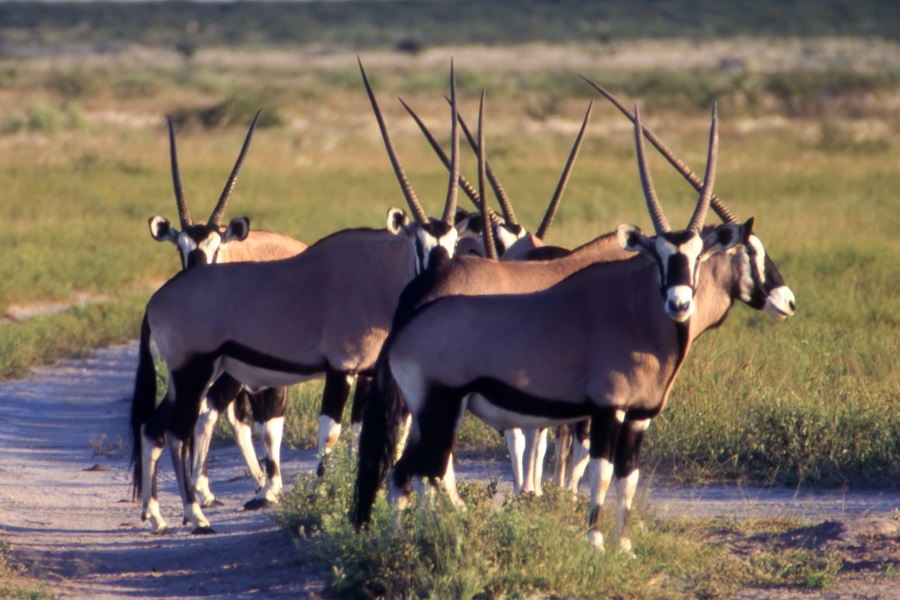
509	398
261	360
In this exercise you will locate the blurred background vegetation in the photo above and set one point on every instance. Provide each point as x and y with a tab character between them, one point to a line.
807	93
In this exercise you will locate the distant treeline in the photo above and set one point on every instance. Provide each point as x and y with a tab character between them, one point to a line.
415	24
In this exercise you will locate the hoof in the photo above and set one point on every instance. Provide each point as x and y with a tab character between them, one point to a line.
258	503
162	531
203	531
214	503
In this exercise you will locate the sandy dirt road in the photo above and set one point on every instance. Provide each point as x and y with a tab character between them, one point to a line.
65	507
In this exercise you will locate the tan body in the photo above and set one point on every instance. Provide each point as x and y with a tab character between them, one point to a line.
288	319
260	246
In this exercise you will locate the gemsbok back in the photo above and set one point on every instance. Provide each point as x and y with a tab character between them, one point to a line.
200	243
605	343
326	310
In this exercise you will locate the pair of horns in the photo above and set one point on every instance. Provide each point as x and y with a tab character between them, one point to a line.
715	202
453	186
184	213
499	192
660	223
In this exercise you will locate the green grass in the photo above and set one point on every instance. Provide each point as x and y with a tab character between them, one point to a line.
15	582
527	547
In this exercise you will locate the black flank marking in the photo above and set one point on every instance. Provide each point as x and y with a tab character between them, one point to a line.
261	360
514	400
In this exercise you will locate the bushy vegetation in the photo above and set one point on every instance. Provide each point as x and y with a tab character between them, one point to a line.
15	582
527	546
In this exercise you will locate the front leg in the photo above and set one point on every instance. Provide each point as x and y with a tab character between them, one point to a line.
627	474
203	433
605	427
334	397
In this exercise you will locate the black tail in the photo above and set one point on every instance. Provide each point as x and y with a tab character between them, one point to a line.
142	403
385	408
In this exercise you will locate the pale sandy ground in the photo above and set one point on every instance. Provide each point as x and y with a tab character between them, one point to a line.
66	510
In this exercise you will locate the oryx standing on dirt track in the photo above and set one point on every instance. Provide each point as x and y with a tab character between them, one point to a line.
605	343
327	310
207	243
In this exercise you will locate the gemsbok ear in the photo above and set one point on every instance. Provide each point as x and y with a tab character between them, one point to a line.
632	239
237	231
397	220
161	229
723	237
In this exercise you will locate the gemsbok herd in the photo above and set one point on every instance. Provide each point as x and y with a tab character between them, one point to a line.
435	317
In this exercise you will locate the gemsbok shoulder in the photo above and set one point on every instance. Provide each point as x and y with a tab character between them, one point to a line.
605	343
201	243
326	310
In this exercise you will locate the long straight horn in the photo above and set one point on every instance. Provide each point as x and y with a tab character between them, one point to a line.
184	214
414	206
470	191
486	230
453	185
709	178
219	211
715	202
564	178
660	224
508	213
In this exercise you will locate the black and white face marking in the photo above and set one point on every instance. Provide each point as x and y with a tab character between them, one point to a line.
507	235
433	240
199	244
761	284
678	255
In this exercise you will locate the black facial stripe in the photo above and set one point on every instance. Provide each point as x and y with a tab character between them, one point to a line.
678	271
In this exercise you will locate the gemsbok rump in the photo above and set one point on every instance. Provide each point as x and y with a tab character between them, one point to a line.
200	243
326	310
605	343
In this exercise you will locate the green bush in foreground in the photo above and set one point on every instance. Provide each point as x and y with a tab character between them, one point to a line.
520	547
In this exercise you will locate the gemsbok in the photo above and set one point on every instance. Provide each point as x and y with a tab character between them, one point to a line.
326	310
605	343
200	243
773	297
513	242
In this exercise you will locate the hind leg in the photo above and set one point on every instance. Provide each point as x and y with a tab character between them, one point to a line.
515	441
189	383
580	455
269	406
220	397
429	447
334	397
151	449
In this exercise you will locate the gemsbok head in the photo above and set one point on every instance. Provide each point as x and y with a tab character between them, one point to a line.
200	243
